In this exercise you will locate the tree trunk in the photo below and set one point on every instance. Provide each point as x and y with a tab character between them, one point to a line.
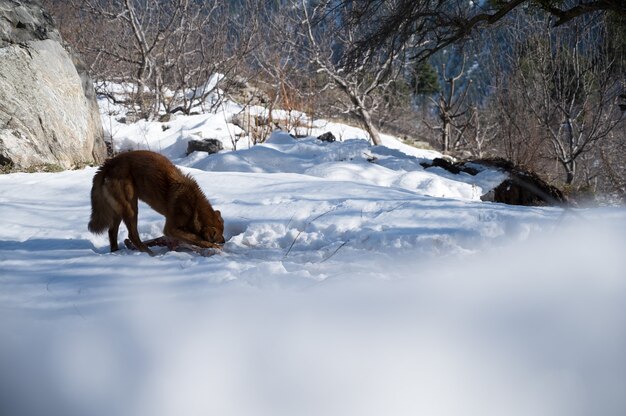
445	136
570	171
371	129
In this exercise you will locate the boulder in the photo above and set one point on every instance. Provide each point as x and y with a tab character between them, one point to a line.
206	145
327	137
48	109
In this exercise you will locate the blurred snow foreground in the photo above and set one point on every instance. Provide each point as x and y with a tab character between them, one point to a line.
353	282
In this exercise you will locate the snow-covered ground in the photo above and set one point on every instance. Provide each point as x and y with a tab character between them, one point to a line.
352	282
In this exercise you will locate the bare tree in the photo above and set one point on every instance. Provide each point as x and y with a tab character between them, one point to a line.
166	50
454	111
146	24
286	79
518	136
565	85
428	26
318	38
206	51
612	178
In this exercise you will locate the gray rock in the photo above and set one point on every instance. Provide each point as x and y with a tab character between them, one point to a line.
206	145
48	109
327	137
25	21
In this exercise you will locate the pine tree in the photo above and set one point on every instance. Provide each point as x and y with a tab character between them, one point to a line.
424	79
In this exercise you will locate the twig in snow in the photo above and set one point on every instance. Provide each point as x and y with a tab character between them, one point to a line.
78	311
49	282
335	252
304	228
290	219
394	208
399	206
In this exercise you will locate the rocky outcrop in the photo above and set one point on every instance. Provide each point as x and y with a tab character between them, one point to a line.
521	187
48	109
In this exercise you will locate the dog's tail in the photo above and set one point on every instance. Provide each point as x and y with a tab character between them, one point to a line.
101	210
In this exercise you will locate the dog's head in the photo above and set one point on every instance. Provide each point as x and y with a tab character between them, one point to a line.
212	227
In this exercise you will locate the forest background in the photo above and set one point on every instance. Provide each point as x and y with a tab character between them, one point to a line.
540	83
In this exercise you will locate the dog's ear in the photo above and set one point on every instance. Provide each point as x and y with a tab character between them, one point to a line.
219	214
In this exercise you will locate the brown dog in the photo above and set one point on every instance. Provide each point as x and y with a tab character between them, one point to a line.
152	178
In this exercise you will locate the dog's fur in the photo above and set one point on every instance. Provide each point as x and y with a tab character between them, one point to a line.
152	178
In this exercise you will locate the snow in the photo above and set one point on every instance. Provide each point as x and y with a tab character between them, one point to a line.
353	282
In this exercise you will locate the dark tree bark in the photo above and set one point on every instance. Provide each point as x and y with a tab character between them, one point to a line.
428	26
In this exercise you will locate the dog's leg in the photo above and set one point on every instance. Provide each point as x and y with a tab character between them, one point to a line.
113	229
124	201
130	220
